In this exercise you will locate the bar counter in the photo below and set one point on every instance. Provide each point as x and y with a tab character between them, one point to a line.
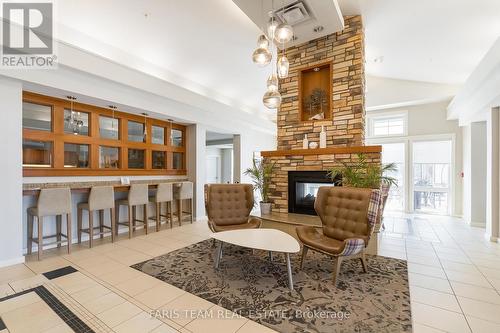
30	189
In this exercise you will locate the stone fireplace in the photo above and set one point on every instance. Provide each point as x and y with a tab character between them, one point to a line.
344	54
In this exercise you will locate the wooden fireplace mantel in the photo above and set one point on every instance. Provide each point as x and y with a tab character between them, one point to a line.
323	151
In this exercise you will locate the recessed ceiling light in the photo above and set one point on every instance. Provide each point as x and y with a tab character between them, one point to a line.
112	107
379	59
318	28
294	38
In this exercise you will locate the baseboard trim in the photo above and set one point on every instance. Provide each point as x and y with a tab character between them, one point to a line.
10	262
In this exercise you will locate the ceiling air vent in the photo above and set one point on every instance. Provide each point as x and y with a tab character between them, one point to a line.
294	13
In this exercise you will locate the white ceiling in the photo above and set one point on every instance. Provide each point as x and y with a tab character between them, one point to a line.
426	40
206	46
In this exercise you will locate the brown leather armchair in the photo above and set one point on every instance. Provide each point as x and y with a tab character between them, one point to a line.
228	207
348	216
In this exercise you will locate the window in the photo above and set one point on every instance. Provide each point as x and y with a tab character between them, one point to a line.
159	160
109	157
76	155
136	159
178	161
135	131
157	135
37	117
37	154
108	128
387	124
76	122
176	138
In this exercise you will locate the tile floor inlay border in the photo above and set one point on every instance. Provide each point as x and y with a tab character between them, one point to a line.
76	324
60	272
251	286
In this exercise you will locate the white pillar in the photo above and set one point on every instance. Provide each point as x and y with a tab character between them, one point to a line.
11	173
475	158
492	175
196	166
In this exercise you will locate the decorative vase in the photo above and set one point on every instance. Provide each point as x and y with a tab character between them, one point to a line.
265	208
305	142
313	145
322	138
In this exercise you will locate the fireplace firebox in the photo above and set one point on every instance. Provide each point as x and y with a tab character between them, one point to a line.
303	187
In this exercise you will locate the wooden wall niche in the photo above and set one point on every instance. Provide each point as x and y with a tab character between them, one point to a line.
315	92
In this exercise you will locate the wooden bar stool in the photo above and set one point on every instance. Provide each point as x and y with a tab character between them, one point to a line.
164	194
137	196
100	199
51	202
184	191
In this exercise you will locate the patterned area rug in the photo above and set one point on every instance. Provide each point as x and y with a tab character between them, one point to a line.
254	287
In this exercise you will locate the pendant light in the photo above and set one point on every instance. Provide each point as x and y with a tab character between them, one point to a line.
262	57
284	31
272	82
73	120
272	99
283	64
263	42
283	67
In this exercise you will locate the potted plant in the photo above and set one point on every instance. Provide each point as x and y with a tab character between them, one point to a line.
260	173
360	173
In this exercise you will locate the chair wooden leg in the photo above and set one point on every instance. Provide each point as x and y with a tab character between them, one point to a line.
134	216
363	260
158	216
91	227
129	222
40	237
113	224
79	224
179	211
337	261
304	253
145	218
58	230
69	231
101	222
171	214
192	214
30	220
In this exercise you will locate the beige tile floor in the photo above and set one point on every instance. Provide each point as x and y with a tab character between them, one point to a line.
454	276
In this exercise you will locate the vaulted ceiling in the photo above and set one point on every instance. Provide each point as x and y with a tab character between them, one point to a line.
206	46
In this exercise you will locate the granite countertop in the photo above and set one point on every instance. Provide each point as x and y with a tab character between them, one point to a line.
82	184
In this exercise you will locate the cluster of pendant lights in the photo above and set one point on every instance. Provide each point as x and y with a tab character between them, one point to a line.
280	33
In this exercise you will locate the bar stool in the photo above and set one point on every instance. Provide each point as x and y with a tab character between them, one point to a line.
164	194
137	196
51	202
100	199
184	191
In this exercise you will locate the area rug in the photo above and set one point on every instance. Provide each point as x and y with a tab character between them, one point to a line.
252	286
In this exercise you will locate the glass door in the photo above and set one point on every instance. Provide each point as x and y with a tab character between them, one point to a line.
431	173
395	153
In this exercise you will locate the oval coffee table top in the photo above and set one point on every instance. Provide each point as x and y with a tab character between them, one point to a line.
260	239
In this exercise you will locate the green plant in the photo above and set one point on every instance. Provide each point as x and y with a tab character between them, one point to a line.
260	173
361	173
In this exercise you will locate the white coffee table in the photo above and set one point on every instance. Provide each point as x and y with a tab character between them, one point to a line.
271	240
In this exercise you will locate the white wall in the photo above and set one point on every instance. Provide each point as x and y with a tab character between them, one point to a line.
430	120
11	231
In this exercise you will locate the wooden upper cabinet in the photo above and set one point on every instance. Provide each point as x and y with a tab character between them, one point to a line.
60	139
